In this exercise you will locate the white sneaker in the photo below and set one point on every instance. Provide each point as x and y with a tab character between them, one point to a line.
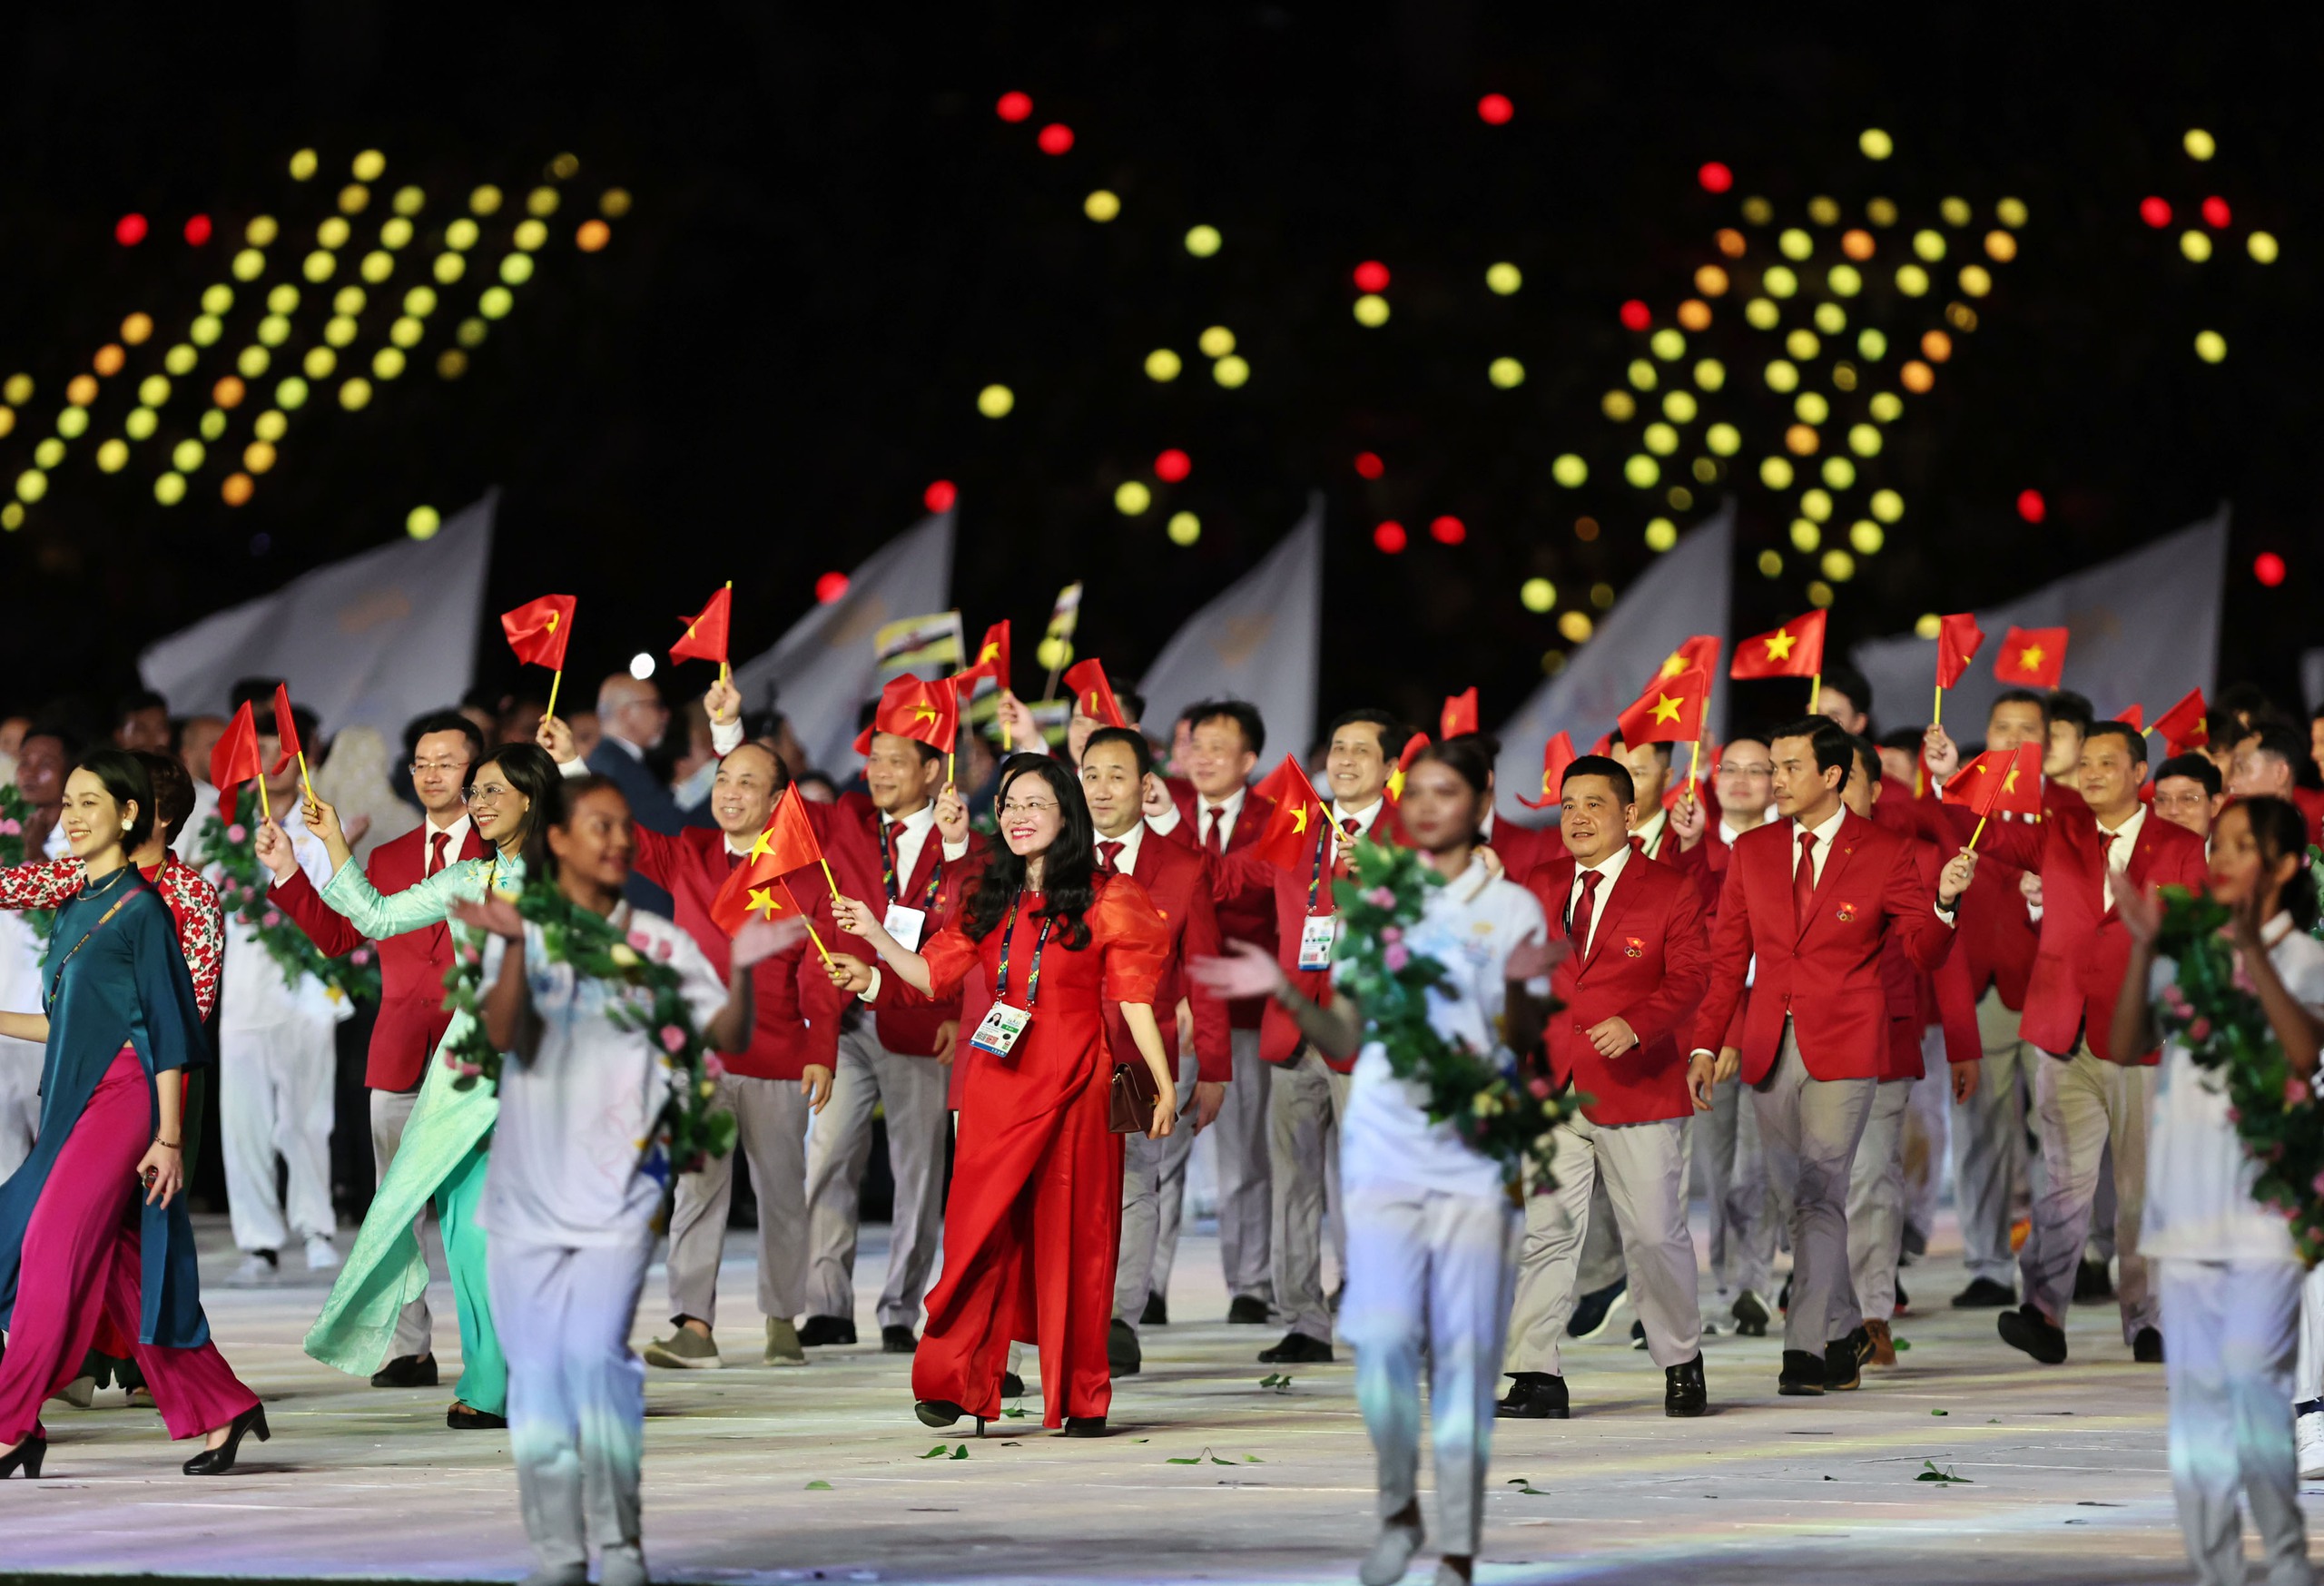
322	1254
258	1267
2308	1435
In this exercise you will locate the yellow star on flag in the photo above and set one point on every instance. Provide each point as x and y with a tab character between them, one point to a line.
2029	659
1779	644
1298	819
762	901
765	841
923	713
1396	784
1666	709
550	624
991	651
2009	780
1674	665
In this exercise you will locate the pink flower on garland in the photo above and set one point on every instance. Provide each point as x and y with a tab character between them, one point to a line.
640	941
1380	898
2199	1031
1396	956
361	957
714	1065
2295	1091
238	832
673	1039
270	918
1392	934
661	950
1538	1086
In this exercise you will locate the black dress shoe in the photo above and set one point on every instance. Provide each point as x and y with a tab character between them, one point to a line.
1123	1357
2027	1328
821	1332
1684	1396
1861	1341
1012	1386
2147	1347
27	1456
942	1413
407	1371
1802	1374
217	1461
1844	1362
1297	1349
1533	1395
894	1341
1156	1312
2092	1280
1085	1426
466	1418
1750	1314
1903	1304
1984	1294
1593	1311
1247	1311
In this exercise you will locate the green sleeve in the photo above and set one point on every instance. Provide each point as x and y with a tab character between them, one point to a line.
429	903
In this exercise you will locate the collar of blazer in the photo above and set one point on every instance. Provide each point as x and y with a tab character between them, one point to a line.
1851	834
1615	909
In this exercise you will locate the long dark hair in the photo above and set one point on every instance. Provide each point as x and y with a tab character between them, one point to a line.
2278	828
1069	869
532	773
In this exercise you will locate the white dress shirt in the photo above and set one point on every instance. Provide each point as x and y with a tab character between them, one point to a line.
1610	869
1824	834
255	995
1651	833
1131	840
911	835
1230	808
456	837
1363	819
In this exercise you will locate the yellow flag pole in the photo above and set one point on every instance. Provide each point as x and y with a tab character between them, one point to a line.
1936	716
557	678
1980	831
264	813
1815	692
304	780
827	876
1695	766
726	671
810	925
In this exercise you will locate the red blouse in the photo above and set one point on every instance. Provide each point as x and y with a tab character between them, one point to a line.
193	903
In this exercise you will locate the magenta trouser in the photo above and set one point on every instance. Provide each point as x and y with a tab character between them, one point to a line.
81	1259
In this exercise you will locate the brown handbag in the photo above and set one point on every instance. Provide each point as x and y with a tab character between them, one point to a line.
1135	1094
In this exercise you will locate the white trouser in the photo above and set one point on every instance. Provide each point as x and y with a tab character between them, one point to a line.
1641	1170
912	1093
2233	1329
1245	1187
1928	1128
2309	1386
576	1395
275	1097
771	1124
1732	1172
1304	1101
2084	1105
1429	1274
1989	1142
1810	1128
391	1111
1875	1212
1154	1181
20	1066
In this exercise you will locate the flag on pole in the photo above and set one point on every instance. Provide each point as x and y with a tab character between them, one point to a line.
2032	657
1556	755
1670	711
1794	650
1700	652
992	657
235	760
2185	726
1414	746
1288	841
1064	616
705	636
1459	715
922	645
1958	639
1999	782
538	629
912	707
752	891
286	732
1092	695
2135	718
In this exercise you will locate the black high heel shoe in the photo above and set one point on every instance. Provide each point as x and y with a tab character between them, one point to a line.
217	1461
25	1457
942	1413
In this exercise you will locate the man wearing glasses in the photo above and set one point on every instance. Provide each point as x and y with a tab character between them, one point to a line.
412	1018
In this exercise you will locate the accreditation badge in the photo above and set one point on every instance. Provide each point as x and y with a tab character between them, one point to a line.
1318	933
1001	1026
905	925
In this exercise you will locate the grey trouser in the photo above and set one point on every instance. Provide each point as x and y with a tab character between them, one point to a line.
1305	1102
1154	1185
912	1093
1246	1199
1875	1212
391	1111
1989	1142
1733	1173
1928	1120
770	1121
1810	1128
2084	1105
1642	1169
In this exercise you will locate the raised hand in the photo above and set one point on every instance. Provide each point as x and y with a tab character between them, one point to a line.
323	822
2141	911
1939	753
854	920
1688	818
1245	971
496	916
273	846
1017	716
952	815
556	740
1959	872
722	700
760	940
1154	798
849	974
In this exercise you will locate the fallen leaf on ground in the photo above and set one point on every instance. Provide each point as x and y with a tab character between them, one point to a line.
1929	1472
819	1486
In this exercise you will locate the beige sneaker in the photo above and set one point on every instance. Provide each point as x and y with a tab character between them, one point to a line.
783	1344
685	1350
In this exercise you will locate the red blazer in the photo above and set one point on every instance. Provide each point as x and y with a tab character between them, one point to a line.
1179	881
2309	804
907	1024
412	1015
1824	975
2084	949
1919	998
798	1008
1648	962
1245	907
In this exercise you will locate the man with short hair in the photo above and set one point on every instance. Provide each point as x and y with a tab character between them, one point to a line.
2071	717
1845	696
2188	793
141	722
632	720
2267	766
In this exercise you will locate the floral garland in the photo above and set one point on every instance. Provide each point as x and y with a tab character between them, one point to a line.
650	1002
2213	1010
228	850
14	811
1497	1110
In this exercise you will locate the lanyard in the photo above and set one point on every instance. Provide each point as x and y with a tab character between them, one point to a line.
1323	841
1033	979
56	981
887	866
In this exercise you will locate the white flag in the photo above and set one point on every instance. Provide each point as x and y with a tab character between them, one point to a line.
372	641
2142	629
1259	641
1683	593
821	672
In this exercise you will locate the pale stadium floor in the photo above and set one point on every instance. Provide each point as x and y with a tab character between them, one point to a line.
2067	1480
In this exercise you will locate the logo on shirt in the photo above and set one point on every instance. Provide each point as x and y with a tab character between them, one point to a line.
1633	947
1847	913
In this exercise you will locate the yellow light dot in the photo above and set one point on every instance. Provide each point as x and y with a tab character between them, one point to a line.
1217	341
252	361
2210	346
1503	279
1710	374
72	423
995	401
235	489
262	231
355	393
170	490
422	522
1775	473
1917	377
81	389
517	269
1782	377
378	266
2199	143
1370	310
1838	472
1867	537
1537	594
318	266
495	301
1802	343
449	267
541	202
406	332
460	235
1811	407
1668	344
1778	281
2262	245
214	424
291	394
1771	564
1887	506
530	235
1661	535
1795	244
31	485
1761	314
303	165
48	453
1602	596
1819	594
1805	536
114	456
1679	406
1506	373
1660	440
1202	241
1643	374
451	363
1569	471
248	264
2195	245
1871	345
1710	280
1230	371
1864	440
140	423
339	329
388	362
2000	247
1694	315
1053	654
1839	565
205	329
1102	205
1575	626
368	165
258	457
1816	505
484	199
1824	210
320	362
1887	407
187	456
1875	143
271	426
1642	472
1977	281
1163	365
154	390
1929	245
332	232
1184	529
1131	498
352	200
1618	405
274	329
1724	439
1844	280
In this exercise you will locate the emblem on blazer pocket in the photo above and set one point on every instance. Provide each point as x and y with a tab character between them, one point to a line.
1633	947
1847	913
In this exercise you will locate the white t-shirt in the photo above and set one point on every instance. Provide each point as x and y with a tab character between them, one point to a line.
2198	1177
1386	1141
255	995
573	1162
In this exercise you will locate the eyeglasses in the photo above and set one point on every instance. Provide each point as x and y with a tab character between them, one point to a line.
485	792
422	767
1036	807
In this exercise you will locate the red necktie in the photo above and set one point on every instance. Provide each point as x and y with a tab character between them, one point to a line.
1803	881
436	851
1108	853
1339	858
1210	839
1578	927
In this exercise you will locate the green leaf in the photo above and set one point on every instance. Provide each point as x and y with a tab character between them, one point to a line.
1176	1459
959	1451
1903	1344
1252	1459
1012	1411
936	1452
1940	1411
1929	1472
819	1486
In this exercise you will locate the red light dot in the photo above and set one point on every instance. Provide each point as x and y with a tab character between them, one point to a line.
1714	177
2031	507
197	230
1371	276
2156	212
2215	213
1389	537
1014	106
2268	568
940	495
129	231
1494	110
1448	530
1056	138
831	587
1636	316
1368	464
1172	466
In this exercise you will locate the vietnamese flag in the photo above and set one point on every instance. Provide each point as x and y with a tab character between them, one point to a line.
235	760
537	630
705	636
1793	650
2000	781
1958	637
1670	711
911	707
1700	652
1288	839
1556	755
2185	726
1093	696
1459	715
1413	748
2032	657
2135	718
752	891
992	658
286	731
